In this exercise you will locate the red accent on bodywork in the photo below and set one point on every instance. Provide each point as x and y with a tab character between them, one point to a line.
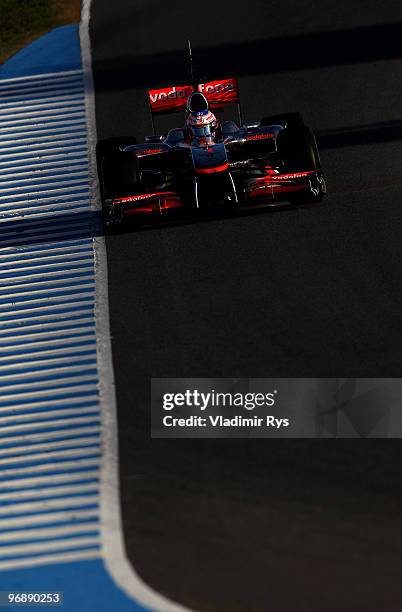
165	204
261	190
291	176
143	196
221	92
279	182
260	136
213	169
148	152
158	202
171	99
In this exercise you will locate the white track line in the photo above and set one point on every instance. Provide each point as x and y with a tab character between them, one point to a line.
112	532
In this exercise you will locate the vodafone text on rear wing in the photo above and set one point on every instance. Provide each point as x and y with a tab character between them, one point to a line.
173	99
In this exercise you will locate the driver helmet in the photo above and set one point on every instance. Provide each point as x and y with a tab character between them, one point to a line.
202	124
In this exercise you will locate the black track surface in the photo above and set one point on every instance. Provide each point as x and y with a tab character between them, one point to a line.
255	525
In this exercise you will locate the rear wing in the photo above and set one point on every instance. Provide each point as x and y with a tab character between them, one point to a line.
169	99
219	93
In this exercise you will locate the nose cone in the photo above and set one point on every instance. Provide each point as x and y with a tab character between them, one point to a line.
197	102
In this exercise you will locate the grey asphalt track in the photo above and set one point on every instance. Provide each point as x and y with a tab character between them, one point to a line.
254	525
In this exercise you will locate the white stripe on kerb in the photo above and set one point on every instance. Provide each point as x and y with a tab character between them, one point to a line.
42	76
70	185
48	532
53	286
54	198
55	424
15	98
53	479
49	492
32	355
50	467
38	416
56	545
42	178
46	518
90	399
43	211
53	102
27	118
42	253
44	170
47	446
56	454
41	127
32	250
50	504
38	90
39	156
48	559
31	143
35	330
50	343
28	85
46	263
38	321
76	271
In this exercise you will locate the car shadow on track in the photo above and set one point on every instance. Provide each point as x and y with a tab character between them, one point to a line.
349	136
56	227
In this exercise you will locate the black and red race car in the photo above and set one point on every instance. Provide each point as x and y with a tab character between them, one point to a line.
246	165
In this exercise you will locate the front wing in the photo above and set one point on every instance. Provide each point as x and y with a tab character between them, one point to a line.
271	190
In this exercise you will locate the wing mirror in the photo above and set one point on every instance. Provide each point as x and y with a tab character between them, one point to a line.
154	138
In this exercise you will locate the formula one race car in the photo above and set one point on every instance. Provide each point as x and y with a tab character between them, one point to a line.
207	166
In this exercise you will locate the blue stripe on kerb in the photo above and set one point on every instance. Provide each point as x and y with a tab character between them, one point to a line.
48	373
